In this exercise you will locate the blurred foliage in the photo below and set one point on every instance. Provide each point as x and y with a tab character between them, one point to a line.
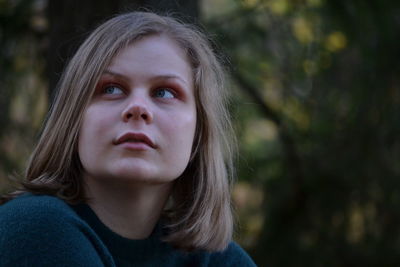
316	106
23	90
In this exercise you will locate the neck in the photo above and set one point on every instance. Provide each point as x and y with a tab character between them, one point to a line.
130	211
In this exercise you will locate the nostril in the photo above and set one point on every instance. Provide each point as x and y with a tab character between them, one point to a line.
137	113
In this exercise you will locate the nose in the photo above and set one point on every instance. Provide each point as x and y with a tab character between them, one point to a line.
137	110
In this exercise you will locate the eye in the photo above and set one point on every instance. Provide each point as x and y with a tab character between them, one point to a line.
112	90
164	93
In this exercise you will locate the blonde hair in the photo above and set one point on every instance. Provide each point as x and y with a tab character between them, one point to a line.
200	216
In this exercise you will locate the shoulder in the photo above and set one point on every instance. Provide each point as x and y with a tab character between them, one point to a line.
34	207
44	230
30	214
233	255
35	212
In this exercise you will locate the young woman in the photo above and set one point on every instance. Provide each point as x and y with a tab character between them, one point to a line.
132	167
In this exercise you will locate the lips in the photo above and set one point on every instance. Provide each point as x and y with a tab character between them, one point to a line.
134	138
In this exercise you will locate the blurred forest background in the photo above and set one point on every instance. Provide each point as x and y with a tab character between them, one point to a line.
316	89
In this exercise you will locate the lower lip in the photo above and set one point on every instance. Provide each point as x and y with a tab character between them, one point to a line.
136	146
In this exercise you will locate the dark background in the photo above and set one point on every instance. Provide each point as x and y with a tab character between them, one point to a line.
316	91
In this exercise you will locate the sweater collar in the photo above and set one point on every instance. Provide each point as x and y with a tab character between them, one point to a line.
136	250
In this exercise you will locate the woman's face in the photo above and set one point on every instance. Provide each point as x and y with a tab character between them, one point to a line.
140	124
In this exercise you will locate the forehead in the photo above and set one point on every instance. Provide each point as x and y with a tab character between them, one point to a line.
153	54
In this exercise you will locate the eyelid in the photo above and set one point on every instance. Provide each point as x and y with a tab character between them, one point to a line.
113	86
103	84
175	88
101	93
167	89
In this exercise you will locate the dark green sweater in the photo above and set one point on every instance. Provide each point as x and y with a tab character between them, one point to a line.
45	231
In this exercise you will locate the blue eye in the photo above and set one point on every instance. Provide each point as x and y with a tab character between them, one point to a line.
164	93
113	90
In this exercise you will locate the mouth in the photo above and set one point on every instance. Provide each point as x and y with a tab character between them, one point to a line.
134	138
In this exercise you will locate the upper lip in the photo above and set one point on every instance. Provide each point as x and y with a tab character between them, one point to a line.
135	137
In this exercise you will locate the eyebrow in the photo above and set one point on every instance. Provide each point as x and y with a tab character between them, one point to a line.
157	77
111	73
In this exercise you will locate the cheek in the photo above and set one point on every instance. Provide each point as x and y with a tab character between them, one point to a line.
92	132
181	133
178	136
95	122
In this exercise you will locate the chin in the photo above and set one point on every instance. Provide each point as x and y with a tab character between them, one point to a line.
142	176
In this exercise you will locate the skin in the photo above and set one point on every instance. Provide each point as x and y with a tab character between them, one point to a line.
148	90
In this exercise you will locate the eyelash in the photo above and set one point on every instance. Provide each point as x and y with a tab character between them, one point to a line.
172	91
165	89
104	90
